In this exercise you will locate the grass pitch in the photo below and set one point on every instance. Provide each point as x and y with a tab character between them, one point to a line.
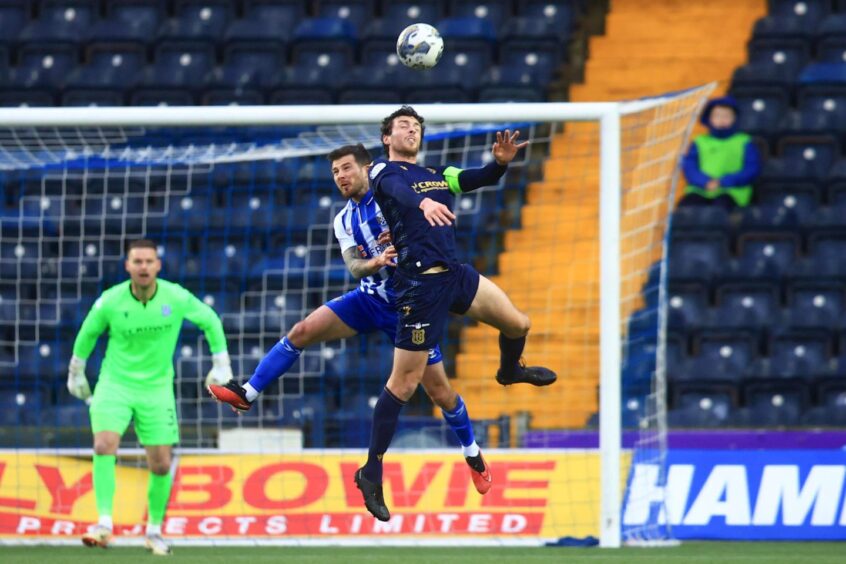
687	553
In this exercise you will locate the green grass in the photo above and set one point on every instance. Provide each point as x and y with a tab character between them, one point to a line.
687	553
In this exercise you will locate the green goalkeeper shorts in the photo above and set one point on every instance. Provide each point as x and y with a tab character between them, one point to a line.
153	410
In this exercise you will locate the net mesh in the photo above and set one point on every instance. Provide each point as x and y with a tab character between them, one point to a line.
243	219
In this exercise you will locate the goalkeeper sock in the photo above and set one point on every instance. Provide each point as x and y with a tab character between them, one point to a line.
459	420
510	351
158	493
103	475
275	363
385	416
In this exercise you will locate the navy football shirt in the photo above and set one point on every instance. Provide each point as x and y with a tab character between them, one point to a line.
400	187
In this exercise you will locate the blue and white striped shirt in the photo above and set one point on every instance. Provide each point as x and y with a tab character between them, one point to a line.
359	225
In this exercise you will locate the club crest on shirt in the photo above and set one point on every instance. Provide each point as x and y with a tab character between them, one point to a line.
374	172
165	310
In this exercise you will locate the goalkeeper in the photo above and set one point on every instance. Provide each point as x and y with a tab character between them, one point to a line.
143	317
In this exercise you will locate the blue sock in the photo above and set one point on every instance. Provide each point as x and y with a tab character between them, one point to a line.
385	416
459	420
274	364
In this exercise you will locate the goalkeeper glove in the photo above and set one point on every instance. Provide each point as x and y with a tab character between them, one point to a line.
77	382
221	371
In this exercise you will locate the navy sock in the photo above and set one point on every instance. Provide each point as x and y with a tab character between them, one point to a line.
459	421
275	363
385	416
510	351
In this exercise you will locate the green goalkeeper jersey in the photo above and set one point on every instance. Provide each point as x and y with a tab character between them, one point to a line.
142	337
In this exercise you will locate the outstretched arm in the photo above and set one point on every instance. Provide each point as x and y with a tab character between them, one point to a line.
360	267
504	150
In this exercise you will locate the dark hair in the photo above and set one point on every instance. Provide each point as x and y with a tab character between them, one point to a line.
361	154
141	244
388	123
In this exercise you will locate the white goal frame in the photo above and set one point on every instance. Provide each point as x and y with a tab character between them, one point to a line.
607	114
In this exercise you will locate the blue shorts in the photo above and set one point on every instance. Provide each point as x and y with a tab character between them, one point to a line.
367	314
424	302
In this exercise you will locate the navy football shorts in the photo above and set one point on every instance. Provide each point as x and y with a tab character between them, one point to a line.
424	302
367	314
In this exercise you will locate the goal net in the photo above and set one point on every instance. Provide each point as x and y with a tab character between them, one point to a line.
240	202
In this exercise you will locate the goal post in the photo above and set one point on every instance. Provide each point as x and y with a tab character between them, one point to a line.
631	148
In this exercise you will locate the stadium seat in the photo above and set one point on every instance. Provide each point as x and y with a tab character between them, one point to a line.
812	10
746	305
249	67
710	409
825	416
788	26
767	254
815	305
128	21
494	11
561	15
13	18
198	20
733	351
357	12
109	72
688	306
802	353
696	256
333	58
763	415
823	74
773	76
803	157
402	13
760	112
789	52
831	39
65	21
44	67
179	71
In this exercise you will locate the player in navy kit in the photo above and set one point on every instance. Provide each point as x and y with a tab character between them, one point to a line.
365	244
430	282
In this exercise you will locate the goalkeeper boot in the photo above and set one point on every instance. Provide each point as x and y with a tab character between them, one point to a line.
374	501
97	536
157	545
522	374
480	472
231	393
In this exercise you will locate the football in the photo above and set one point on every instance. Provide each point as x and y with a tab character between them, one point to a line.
420	46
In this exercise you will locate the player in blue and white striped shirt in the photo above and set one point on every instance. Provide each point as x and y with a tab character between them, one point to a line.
366	246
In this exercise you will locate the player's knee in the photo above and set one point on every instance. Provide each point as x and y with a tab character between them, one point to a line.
444	397
104	446
300	333
160	467
519	327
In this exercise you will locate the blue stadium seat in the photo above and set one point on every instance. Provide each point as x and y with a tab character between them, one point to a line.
13	18
357	12
326	29
769	253
799	353
696	256
831	39
767	415
803	157
247	209
366	85
61	21
823	74
249	67
188	212
712	408
803	199
825	416
198	20
700	219
261	34
784	27
760	113
283	13
107	76
334	58
128	21
688	306
826	247
562	15
816	305
771	215
733	352
403	13
746	305
812	10
773	76
467	30
44	66
791	52
495	11
180	67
